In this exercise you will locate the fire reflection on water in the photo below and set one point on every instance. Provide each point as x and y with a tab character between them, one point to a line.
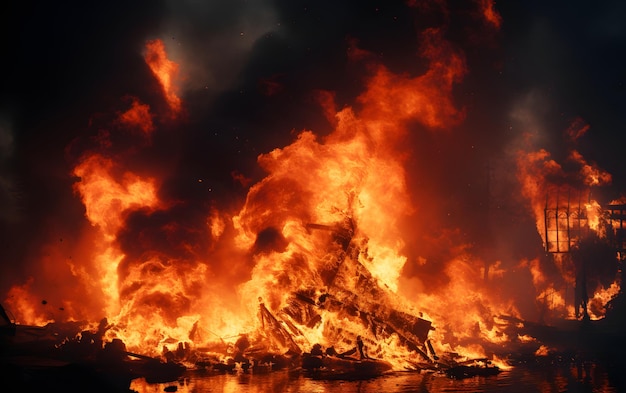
535	377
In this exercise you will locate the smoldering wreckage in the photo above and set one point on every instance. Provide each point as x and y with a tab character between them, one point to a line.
72	357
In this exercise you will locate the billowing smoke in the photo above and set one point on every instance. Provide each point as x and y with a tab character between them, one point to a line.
214	40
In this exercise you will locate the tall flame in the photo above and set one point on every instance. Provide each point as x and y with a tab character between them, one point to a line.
108	199
165	71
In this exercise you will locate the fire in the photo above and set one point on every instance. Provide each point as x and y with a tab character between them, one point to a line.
23	304
315	254
592	175
594	215
360	174
390	99
568	221
352	186
490	14
216	224
325	218
542	351
107	199
138	117
165	71
600	298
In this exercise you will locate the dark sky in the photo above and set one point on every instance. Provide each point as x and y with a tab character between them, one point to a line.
71	64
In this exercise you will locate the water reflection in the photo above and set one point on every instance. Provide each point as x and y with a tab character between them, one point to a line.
540	378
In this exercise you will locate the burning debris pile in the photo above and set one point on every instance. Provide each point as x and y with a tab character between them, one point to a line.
341	325
347	311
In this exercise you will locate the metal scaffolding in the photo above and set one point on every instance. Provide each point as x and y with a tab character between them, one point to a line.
565	222
616	214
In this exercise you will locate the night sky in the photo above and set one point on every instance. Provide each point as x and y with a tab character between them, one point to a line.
249	72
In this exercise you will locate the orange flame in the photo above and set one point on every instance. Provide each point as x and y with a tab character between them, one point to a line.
490	14
564	214
165	71
392	99
108	196
138	117
352	184
592	175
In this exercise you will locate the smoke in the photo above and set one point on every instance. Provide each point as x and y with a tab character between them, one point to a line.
214	40
571	59
8	197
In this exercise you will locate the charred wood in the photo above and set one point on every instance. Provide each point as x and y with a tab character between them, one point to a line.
276	330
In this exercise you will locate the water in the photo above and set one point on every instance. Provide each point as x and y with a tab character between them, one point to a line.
548	377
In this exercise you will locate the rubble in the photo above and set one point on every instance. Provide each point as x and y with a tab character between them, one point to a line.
62	356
